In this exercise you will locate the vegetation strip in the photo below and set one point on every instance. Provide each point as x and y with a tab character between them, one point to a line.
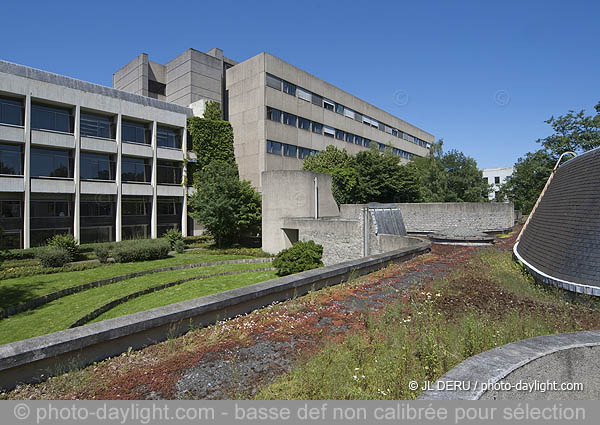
108	306
44	299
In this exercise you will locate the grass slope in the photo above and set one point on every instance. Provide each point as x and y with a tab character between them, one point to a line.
186	291
17	290
60	314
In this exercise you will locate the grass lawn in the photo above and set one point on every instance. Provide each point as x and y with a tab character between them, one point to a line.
486	303
187	291
60	314
17	290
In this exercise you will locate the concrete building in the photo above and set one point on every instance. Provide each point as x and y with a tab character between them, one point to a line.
281	114
190	77
79	158
496	177
106	164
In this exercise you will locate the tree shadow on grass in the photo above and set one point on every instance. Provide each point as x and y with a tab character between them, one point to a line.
16	294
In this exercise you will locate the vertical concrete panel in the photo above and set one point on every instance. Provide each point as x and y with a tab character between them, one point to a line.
27	176
77	175
118	178
154	218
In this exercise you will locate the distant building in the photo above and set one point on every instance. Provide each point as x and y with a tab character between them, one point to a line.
496	177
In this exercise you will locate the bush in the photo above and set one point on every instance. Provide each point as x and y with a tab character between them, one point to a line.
179	247
53	256
102	253
67	242
141	250
173	236
300	257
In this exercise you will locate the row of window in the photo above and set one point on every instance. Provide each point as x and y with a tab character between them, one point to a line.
293	90
94	166
278	148
308	125
166	206
44	117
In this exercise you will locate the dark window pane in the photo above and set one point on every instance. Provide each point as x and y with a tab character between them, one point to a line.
339	134
273	147
169	172
51	118
273	114
45	209
135	169
303	123
289	150
11	159
358	140
96	234
317	128
289	88
135	232
317	100
135	132
289	119
11	111
96	126
97	166
349	137
339	108
50	163
10	209
273	81
168	137
366	142
137	207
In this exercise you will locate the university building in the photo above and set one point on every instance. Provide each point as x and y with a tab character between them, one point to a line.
107	164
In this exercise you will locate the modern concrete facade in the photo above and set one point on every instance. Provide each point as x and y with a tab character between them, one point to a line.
496	177
281	114
188	78
96	162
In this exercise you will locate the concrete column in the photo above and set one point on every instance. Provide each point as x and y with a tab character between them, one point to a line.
27	176
184	226
118	213
154	219
77	176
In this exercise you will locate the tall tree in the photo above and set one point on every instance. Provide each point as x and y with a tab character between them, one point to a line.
465	180
574	131
229	208
524	186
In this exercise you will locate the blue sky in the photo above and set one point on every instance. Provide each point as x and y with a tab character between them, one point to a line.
481	75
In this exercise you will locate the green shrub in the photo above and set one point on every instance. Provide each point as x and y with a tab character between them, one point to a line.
67	242
53	256
300	257
38	269
173	236
179	247
141	250
102	253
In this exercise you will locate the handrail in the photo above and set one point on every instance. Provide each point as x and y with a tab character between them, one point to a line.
542	194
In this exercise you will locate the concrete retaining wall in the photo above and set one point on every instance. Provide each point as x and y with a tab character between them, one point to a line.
37	358
433	217
562	358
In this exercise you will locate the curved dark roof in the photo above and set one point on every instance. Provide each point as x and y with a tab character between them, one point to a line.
562	238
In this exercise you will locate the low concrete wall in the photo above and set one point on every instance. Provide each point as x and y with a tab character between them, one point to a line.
433	217
37	358
341	239
562	358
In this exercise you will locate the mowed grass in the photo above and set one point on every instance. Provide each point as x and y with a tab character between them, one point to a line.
60	314
483	304
18	290
186	291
